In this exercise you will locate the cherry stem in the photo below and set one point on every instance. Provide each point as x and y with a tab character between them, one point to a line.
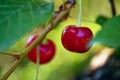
37	65
113	7
80	13
41	36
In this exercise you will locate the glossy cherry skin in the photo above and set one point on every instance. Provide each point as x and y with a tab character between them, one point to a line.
77	39
47	51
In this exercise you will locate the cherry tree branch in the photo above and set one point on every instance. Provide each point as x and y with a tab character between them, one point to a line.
58	16
113	7
9	54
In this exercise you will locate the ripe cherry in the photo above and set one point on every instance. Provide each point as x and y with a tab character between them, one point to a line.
47	51
77	39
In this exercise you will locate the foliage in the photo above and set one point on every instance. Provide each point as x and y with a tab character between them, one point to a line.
17	18
109	34
101	20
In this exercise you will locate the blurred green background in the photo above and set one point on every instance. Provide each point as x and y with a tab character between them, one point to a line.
65	65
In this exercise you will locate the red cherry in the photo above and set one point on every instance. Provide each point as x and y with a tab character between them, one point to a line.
77	39
47	51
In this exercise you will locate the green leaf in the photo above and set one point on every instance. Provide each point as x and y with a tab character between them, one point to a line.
101	20
109	35
17	18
